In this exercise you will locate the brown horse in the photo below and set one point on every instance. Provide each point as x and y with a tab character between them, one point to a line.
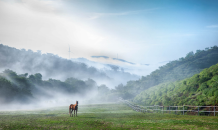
73	107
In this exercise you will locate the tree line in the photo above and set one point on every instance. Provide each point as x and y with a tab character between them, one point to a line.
200	90
176	70
22	88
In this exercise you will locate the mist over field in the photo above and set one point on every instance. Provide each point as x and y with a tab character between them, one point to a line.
23	91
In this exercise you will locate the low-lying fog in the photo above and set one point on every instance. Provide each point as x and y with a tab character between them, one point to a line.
53	99
23	91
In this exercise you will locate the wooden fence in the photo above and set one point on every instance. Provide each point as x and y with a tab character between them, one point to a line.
185	109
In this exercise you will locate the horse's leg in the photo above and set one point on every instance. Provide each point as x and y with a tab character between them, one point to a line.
74	113
70	111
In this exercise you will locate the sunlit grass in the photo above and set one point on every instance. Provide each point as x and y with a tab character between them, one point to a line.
102	116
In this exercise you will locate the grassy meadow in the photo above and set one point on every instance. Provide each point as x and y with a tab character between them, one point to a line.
101	116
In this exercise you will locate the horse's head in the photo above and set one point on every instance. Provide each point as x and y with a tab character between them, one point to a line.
77	102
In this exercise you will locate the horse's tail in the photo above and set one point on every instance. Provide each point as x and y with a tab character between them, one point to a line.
69	109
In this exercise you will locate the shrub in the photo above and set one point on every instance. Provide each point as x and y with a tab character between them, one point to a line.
202	87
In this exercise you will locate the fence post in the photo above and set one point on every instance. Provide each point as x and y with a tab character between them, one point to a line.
183	109
157	108
177	108
176	111
187	110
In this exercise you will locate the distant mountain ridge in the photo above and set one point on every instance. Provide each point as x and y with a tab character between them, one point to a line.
117	73
53	66
180	69
49	65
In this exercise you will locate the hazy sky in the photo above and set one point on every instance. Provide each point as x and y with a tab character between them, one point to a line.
147	33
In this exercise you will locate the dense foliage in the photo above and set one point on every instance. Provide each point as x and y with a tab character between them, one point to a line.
23	88
172	71
201	89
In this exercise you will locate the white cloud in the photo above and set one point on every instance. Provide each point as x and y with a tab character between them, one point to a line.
98	15
36	25
212	26
177	35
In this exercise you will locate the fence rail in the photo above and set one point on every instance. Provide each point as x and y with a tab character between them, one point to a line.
184	109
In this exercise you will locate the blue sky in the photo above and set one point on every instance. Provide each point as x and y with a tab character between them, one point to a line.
172	25
135	31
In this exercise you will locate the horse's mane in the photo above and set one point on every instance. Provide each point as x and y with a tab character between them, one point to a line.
74	106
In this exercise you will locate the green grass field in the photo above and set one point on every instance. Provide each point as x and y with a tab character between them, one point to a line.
101	116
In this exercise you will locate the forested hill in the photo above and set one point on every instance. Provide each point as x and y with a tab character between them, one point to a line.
200	90
53	66
180	69
26	88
